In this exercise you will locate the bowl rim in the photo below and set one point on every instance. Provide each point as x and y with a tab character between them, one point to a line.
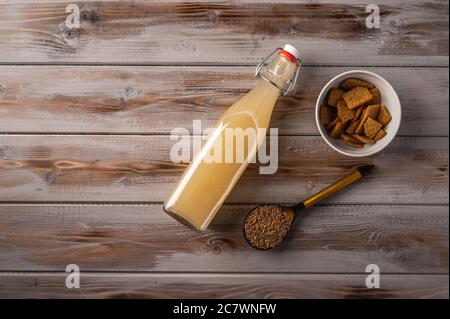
325	89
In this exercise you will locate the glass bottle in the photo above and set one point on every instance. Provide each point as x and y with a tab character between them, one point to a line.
215	170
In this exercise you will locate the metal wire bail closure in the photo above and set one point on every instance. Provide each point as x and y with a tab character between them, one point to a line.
292	81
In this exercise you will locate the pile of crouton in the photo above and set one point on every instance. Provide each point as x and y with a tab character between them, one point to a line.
354	113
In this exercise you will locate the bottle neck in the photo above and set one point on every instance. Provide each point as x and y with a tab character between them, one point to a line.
280	72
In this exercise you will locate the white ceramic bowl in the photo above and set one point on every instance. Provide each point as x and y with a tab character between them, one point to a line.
389	98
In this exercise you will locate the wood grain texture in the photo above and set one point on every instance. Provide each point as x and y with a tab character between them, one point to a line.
411	32
327	239
157	99
37	285
84	150
138	168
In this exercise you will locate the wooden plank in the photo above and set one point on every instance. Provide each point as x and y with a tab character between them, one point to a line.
411	32
138	169
174	286
157	99
341	239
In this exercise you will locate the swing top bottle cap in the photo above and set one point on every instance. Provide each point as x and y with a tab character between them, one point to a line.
292	51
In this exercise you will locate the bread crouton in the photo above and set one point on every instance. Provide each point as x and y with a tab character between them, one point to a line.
357	97
358	113
349	138
376	99
363	139
343	112
352	128
384	117
371	127
332	124
337	129
381	133
370	112
327	114
351	83
356	145
334	96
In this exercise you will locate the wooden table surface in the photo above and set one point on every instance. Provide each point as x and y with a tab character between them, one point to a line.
85	118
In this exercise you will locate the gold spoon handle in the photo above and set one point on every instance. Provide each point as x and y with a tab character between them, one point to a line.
359	173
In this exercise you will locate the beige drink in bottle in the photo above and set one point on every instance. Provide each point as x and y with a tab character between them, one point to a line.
214	171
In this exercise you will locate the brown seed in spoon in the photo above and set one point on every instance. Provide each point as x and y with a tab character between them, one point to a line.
267	225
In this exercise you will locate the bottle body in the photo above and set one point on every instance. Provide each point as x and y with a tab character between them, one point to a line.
231	145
